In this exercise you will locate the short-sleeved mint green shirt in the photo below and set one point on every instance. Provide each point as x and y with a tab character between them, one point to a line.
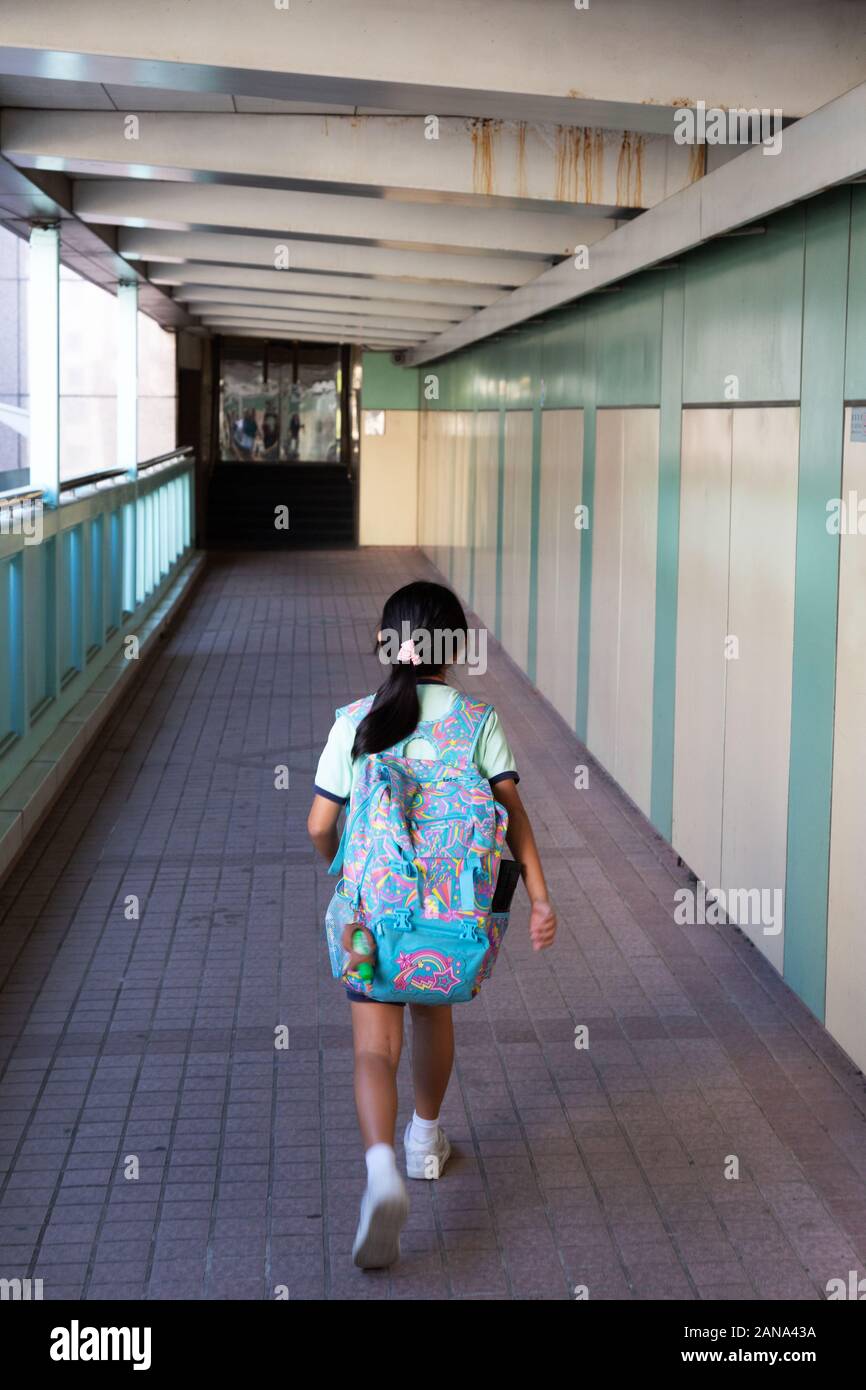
336	771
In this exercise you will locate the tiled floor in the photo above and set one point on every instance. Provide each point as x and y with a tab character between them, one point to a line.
156	1144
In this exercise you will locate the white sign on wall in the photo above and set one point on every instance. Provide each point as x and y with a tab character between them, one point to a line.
374	422
858	424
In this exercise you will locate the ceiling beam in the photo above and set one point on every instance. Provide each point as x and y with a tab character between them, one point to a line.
138	202
411	328
419	267
203	276
196	297
265	329
468	162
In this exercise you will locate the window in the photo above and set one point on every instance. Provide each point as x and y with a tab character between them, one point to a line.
14	275
280	403
157	389
88	378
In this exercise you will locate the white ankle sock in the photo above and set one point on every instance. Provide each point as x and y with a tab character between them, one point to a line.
381	1165
424	1131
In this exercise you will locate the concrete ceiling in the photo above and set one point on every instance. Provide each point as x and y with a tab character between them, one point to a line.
391	173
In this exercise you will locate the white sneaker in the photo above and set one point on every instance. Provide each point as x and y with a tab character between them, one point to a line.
383	1216
426	1160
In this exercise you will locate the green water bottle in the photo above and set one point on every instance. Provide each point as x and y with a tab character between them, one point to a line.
364	968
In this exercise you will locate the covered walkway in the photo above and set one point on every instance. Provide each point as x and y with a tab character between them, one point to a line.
156	1143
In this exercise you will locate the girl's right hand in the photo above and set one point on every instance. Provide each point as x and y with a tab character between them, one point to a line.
542	925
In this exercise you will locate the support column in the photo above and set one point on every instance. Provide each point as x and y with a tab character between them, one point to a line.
43	351
127	378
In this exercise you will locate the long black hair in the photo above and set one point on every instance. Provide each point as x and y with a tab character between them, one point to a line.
432	618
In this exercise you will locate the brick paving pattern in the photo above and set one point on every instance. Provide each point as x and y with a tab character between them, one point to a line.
148	1044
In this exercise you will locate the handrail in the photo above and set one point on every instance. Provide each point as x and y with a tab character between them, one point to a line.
12	497
163	458
89	478
86	479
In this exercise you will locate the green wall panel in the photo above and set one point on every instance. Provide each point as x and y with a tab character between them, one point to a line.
743	315
828	224
855	356
563	365
500	507
665	660
386	386
627	347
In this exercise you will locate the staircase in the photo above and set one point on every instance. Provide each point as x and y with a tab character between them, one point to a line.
243	499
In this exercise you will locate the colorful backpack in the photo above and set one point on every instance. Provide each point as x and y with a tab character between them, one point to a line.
418	861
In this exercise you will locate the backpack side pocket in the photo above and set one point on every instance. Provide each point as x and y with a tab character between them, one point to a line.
495	929
340	912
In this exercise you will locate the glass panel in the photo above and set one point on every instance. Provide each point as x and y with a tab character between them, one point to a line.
250	412
318	407
157	390
14	275
70	600
272	412
88	442
95	594
39	589
115	560
88	377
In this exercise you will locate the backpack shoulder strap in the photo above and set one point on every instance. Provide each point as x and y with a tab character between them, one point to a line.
356	710
458	731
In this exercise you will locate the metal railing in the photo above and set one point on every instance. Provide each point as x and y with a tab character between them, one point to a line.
74	579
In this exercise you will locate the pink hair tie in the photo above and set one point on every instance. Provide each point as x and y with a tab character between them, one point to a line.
408	653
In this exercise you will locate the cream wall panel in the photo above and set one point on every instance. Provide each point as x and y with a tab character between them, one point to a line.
758	693
422	465
439	488
430	494
388	505
702	624
435	484
606	523
447	499
450	500
425	530
517	516
548	555
633	766
559	559
846	928
460	519
486	514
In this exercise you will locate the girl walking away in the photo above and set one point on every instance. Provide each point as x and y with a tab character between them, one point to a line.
431	787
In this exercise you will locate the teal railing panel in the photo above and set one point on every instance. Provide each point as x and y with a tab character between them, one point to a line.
75	580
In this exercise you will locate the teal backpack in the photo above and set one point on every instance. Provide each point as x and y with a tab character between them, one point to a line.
417	866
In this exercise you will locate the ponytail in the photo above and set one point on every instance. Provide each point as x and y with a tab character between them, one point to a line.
419	608
394	713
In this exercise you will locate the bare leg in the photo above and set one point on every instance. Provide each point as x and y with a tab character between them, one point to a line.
377	1030
378	1035
432	1056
